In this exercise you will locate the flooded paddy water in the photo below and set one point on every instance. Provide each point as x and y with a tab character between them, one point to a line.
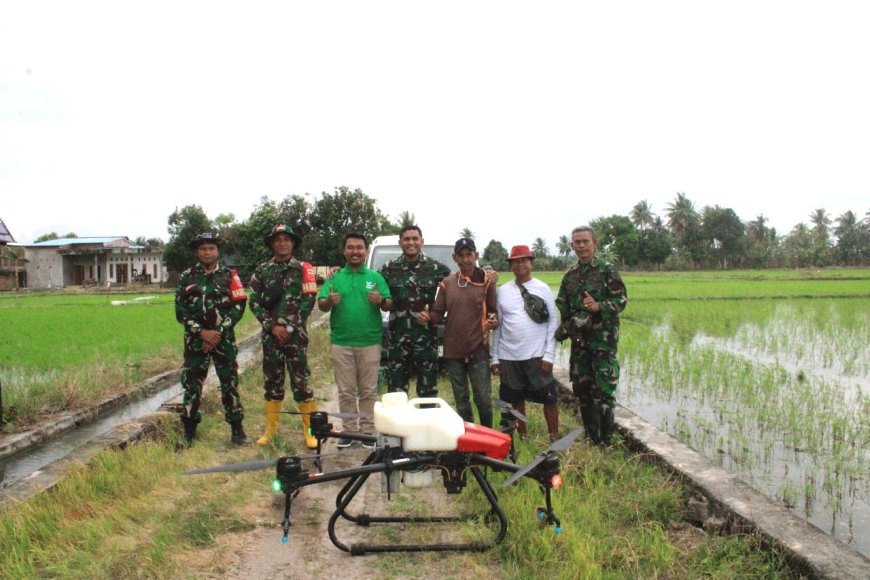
776	391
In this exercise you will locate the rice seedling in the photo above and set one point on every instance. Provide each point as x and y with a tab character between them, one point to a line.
759	372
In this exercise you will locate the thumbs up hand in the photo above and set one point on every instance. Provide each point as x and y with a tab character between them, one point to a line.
423	317
589	303
334	297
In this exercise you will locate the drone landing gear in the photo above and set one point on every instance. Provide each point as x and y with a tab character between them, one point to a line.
546	514
353	486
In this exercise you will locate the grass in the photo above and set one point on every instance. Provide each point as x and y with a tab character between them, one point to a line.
63	352
130	514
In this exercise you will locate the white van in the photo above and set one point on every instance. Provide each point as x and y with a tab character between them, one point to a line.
385	248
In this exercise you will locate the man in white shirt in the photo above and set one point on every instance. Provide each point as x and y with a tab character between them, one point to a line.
523	345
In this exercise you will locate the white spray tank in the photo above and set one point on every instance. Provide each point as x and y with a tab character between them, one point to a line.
424	424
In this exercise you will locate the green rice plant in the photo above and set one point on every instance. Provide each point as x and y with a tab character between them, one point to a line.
782	377
131	513
64	352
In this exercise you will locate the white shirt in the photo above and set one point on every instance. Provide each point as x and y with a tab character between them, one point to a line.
517	336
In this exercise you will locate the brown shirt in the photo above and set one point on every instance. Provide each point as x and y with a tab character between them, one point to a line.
463	302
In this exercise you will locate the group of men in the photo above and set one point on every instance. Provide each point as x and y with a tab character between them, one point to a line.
510	331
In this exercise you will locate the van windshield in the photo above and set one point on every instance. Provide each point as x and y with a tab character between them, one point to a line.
384	253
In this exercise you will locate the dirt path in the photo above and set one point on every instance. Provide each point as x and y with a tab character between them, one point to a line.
310	553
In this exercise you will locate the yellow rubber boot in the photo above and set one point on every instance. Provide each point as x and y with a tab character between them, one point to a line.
273	417
306	408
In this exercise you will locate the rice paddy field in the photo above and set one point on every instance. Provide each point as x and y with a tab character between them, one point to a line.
62	351
766	373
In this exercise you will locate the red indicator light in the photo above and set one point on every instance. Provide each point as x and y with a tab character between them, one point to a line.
556	481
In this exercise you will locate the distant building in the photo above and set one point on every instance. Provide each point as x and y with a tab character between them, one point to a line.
92	261
5	236
12	273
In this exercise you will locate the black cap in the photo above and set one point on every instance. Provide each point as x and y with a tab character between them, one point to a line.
205	238
463	243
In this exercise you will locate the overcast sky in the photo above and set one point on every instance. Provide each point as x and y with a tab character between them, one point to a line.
516	120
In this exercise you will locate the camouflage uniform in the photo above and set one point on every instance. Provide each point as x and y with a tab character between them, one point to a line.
594	336
202	302
413	349
276	298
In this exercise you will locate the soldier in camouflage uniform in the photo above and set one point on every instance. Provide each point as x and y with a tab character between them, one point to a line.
590	299
282	306
203	304
413	279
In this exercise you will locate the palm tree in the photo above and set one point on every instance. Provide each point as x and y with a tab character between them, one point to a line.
848	232
539	248
406	218
681	215
466	233
563	246
821	224
756	230
642	215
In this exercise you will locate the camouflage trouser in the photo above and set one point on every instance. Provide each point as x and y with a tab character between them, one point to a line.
594	375
277	359
195	370
413	352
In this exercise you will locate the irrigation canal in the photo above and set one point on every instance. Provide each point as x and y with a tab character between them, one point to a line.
33	458
728	497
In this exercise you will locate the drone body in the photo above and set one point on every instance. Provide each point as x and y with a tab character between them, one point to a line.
430	424
420	436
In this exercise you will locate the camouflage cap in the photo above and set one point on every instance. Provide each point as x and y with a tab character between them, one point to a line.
283	229
205	238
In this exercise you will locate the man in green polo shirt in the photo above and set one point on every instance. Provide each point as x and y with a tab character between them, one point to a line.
353	297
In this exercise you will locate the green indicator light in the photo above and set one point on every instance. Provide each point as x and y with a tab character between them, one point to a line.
276	485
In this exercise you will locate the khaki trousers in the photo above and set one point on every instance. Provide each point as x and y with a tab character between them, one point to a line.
356	375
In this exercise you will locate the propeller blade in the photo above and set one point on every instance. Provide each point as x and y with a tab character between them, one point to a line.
565	442
254	465
234	467
505	406
330	414
557	447
524	470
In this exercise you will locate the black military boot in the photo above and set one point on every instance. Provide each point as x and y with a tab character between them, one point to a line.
608	425
592	423
239	437
189	430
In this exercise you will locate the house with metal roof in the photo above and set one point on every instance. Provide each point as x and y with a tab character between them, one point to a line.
96	261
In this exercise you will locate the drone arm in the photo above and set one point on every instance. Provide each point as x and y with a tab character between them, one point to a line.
496	464
382	466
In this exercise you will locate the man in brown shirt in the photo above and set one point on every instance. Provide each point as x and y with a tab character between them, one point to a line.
469	297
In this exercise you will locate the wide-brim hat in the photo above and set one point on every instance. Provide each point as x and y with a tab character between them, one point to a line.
518	252
283	229
205	238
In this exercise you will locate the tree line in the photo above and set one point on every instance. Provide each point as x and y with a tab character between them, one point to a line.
682	238
322	222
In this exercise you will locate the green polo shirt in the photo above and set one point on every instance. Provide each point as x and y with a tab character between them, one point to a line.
355	321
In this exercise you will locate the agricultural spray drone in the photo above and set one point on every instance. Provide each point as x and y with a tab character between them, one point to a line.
416	439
